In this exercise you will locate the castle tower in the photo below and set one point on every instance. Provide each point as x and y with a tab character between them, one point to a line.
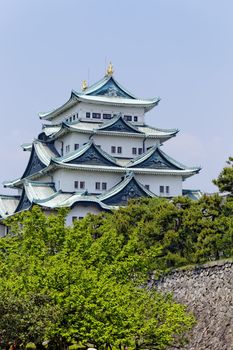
94	153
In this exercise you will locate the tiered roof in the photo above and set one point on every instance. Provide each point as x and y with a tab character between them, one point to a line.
107	91
45	158
115	127
46	196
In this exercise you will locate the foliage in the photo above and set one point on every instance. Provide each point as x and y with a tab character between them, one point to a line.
90	283
85	283
225	178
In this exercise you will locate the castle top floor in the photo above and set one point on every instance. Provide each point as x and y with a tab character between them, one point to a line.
101	101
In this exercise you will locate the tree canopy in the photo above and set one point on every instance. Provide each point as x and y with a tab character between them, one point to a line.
225	179
86	284
90	284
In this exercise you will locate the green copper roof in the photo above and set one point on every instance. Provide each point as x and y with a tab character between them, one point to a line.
108	92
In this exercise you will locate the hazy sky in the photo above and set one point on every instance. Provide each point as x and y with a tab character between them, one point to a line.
179	50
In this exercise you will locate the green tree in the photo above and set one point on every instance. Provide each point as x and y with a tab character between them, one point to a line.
86	283
225	179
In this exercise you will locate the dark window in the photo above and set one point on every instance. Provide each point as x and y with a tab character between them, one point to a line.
128	118
147	187
119	149
161	189
77	115
74	117
167	189
74	218
88	115
67	148
96	115
107	116
135	118
80	217
104	185
67	119
134	150
70	119
97	185
113	149
82	185
76	184
140	151
76	146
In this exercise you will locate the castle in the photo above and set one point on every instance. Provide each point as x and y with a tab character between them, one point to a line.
94	153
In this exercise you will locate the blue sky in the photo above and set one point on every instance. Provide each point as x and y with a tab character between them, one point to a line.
179	50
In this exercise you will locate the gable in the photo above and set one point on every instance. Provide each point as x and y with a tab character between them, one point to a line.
24	203
120	126
34	164
130	191
156	161
110	88
92	157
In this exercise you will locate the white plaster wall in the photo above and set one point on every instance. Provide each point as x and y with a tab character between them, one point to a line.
125	142
83	107
67	114
151	143
154	181
70	139
64	179
80	211
45	178
105	142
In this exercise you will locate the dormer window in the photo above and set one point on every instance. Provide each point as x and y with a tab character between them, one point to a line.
161	189
128	118
74	117
96	115
107	116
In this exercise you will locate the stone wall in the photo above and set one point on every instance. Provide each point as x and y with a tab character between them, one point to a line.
208	292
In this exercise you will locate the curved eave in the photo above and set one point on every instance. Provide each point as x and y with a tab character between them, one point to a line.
54	113
20	182
163	134
8	204
96	168
71	200
81	152
79	199
118	101
12	184
31	189
43	155
26	147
